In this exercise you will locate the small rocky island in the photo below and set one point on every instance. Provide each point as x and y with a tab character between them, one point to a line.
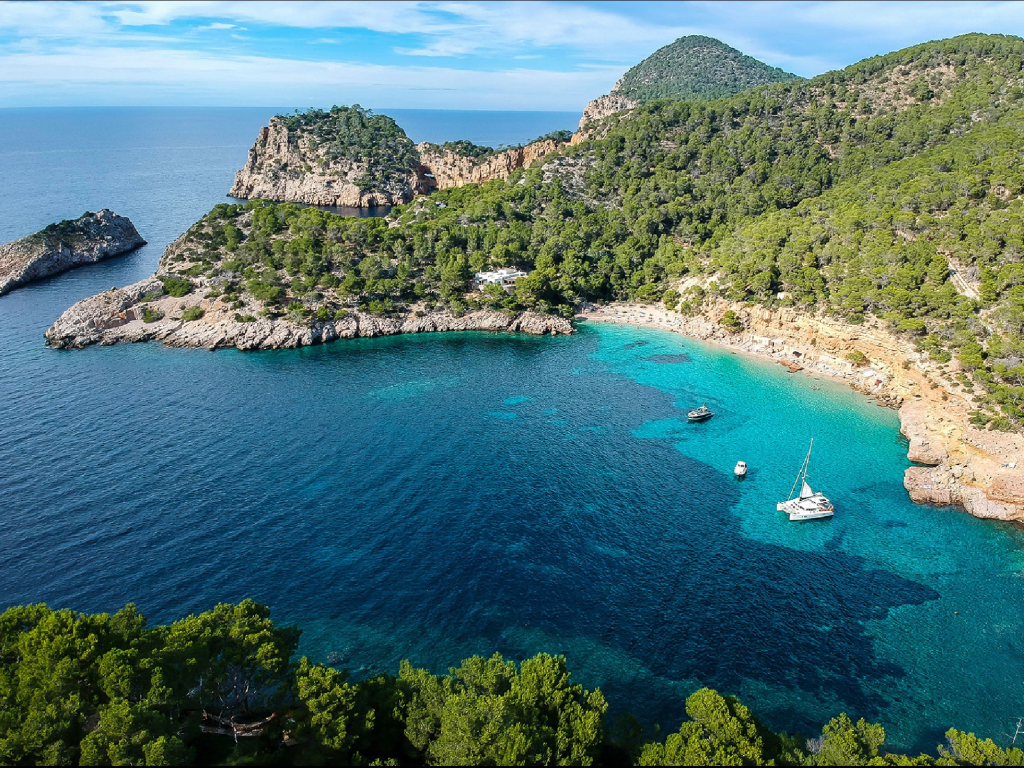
63	246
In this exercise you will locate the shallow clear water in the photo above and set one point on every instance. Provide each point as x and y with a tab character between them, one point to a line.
431	497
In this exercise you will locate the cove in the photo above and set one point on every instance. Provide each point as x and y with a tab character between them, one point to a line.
431	497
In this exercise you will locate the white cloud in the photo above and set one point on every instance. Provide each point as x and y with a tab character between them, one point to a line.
219	25
175	77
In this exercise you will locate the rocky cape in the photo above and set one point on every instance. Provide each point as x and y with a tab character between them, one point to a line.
290	168
118	316
66	245
956	463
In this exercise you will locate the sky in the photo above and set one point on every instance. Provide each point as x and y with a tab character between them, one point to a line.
425	55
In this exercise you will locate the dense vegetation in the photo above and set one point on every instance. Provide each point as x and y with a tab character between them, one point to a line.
696	67
356	135
224	687
891	188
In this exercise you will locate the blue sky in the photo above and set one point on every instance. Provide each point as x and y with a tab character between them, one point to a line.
444	55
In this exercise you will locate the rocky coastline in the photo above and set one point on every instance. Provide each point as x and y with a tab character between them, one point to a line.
119	316
63	246
956	463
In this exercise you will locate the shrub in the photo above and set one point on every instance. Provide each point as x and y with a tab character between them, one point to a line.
192	313
857	357
731	322
150	315
244	318
671	299
267	292
176	286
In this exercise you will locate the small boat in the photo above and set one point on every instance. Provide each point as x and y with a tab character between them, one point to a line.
740	469
809	505
699	414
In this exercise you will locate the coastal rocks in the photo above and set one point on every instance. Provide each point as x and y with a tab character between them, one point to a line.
63	246
291	168
450	169
915	425
115	316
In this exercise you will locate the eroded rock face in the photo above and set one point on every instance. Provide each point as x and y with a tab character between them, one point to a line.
606	105
289	168
453	170
64	246
119	316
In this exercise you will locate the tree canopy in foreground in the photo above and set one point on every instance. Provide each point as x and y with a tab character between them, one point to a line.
224	687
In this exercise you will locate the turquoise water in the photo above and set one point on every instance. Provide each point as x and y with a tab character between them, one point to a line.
435	496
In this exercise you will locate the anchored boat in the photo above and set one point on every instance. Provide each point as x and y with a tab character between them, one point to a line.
809	505
740	470
699	414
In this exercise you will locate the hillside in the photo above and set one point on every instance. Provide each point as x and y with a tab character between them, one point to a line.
697	67
693	68
657	199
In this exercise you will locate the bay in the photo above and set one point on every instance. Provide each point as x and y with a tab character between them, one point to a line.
432	497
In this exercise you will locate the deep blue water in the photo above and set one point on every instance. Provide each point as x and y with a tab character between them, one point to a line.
432	497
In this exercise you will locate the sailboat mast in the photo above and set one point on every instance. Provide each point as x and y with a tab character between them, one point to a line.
803	470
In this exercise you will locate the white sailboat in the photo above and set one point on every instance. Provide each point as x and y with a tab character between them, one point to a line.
808	505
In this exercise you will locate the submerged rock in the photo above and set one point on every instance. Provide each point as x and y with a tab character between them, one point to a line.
66	245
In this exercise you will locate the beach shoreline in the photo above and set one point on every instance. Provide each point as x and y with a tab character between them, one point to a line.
955	463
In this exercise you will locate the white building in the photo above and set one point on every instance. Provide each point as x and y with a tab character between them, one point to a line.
505	277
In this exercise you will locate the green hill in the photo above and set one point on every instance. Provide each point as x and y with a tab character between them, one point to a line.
866	191
696	67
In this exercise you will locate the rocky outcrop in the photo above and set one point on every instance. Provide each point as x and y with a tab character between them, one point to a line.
119	315
66	245
450	169
606	105
979	470
286	167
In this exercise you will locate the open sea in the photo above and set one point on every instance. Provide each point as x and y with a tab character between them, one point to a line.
432	497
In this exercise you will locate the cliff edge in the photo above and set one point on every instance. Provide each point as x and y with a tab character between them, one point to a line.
63	246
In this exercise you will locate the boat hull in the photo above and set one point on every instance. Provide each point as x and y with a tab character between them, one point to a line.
805	509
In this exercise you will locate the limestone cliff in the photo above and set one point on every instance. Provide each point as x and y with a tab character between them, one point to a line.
293	166
606	105
62	246
450	169
979	470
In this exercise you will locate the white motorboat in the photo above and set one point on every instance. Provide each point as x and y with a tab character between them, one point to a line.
699	414
809	505
741	469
